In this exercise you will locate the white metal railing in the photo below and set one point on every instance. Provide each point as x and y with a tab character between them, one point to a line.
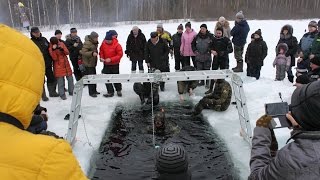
237	85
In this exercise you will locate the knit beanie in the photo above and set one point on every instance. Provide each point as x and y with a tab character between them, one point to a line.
57	32
203	26
240	15
180	27
188	24
93	35
108	36
305	105
54	40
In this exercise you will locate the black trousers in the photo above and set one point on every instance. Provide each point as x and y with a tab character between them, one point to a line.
254	70
50	76
76	71
112	69
220	63
186	61
91	87
179	61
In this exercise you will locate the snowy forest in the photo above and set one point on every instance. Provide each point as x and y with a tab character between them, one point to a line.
56	12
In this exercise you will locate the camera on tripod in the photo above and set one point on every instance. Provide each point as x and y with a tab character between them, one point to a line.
278	113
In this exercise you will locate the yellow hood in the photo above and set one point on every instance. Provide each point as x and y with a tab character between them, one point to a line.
21	75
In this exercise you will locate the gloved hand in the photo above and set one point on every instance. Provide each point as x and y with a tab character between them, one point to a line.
60	48
75	44
264	121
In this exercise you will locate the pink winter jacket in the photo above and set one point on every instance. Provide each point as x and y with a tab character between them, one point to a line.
281	59
186	40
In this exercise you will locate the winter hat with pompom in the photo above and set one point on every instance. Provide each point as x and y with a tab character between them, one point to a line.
240	15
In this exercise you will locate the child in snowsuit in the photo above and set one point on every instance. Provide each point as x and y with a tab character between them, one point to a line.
281	62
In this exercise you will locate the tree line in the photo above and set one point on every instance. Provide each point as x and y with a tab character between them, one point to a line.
56	12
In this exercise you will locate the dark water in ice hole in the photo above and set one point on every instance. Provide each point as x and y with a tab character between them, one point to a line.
127	152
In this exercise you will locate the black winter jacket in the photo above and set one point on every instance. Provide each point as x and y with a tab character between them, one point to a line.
157	55
176	38
256	52
43	45
291	41
73	51
135	46
222	46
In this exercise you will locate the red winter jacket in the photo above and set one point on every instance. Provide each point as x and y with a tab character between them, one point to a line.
112	51
61	66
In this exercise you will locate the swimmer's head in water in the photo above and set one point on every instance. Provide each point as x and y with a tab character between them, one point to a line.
159	122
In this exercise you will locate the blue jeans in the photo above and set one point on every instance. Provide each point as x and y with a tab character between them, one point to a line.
61	85
134	65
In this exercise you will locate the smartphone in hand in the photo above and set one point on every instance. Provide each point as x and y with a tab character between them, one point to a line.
278	113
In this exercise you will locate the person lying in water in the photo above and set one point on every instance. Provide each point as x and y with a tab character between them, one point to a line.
163	126
219	100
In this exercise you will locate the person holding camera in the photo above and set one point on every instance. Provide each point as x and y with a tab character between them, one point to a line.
39	120
61	66
74	44
299	159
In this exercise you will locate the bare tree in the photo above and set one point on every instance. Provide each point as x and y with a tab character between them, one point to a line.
10	13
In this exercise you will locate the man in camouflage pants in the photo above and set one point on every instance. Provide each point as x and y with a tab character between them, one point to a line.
219	100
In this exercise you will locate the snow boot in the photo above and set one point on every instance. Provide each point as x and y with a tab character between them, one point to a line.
162	88
108	95
44	96
290	78
239	67
235	67
142	99
52	89
119	93
141	71
133	72
63	97
210	88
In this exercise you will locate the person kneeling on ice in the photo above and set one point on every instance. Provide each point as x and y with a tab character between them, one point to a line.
281	62
24	155
61	66
186	86
172	163
144	91
219	100
298	159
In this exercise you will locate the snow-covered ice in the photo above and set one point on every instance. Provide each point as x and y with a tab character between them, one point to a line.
96	112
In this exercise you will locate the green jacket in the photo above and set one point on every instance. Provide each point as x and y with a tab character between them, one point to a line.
220	99
315	47
89	47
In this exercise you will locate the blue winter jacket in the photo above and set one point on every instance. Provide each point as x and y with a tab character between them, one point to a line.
240	33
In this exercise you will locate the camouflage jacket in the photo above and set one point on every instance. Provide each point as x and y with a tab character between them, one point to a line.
220	99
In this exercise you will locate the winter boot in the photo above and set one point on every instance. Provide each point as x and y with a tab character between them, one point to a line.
133	72
52	89
44	96
141	71
290	78
239	67
108	95
162	88
235	67
210	88
142	99
119	93
63	97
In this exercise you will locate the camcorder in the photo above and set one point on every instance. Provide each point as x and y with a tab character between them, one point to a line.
278	113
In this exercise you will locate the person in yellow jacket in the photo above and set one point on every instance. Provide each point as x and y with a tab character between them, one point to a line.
24	155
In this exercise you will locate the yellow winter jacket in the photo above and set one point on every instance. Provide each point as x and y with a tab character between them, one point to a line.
25	156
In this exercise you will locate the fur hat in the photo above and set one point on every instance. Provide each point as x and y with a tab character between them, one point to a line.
57	32
221	19
188	24
240	15
305	105
135	28
203	26
180	27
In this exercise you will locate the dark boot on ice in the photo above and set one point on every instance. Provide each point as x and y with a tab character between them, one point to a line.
44	96
52	89
239	67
